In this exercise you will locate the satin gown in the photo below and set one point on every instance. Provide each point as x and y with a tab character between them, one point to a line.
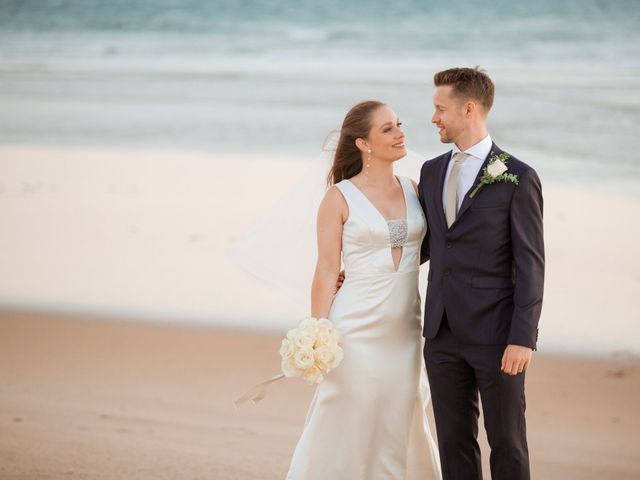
367	420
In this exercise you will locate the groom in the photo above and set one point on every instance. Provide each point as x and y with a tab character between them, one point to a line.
486	275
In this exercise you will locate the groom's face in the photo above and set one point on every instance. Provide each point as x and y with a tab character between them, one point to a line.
449	115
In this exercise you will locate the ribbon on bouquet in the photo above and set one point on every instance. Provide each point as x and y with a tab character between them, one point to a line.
257	392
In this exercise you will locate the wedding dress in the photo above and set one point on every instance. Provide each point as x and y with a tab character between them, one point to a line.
367	420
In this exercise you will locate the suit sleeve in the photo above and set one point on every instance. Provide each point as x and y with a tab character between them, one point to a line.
424	249
528	257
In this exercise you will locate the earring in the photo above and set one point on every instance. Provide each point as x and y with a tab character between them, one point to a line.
368	161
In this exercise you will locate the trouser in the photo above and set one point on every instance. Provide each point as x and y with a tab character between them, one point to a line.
457	372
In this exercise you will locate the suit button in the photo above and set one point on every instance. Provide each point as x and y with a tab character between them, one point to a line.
449	245
447	271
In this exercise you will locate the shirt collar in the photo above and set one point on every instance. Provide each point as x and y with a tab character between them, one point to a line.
479	150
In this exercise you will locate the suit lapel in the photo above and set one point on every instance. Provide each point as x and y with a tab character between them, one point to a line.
442	172
467	201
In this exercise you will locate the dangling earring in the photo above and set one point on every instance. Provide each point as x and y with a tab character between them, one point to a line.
366	172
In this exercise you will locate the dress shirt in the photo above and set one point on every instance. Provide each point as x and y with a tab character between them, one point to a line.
470	168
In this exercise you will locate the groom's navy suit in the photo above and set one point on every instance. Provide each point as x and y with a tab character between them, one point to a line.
485	286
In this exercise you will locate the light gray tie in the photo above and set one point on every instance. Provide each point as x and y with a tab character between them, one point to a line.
451	196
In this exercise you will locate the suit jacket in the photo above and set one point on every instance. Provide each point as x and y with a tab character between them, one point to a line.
487	270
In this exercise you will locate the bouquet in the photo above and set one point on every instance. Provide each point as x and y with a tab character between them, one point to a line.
310	351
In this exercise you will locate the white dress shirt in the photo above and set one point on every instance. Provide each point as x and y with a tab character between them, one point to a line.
470	168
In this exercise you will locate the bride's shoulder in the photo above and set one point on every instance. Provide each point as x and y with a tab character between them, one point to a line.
414	184
334	200
334	204
410	181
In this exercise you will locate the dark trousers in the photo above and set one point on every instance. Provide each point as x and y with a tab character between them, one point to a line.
457	372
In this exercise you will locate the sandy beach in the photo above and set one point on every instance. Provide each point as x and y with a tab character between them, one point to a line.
139	145
92	398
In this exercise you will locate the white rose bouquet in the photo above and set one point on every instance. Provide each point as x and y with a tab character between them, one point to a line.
310	351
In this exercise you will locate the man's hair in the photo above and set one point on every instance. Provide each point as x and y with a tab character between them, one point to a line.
468	83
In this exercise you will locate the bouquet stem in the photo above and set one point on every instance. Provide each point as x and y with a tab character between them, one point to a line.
257	392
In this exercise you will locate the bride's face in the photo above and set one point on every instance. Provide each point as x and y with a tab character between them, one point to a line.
386	138
449	115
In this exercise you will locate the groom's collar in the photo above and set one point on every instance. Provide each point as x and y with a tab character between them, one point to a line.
480	150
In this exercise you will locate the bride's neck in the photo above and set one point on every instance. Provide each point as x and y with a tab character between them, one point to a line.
378	175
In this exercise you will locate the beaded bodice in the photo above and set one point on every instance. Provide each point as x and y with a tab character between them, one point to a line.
398	232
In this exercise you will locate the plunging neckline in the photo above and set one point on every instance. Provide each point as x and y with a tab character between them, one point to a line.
406	219
404	198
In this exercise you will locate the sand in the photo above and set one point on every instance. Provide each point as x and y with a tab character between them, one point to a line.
143	233
91	398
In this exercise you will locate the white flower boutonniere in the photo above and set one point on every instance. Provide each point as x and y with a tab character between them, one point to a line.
495	171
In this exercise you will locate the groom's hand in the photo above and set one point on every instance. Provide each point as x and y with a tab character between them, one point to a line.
516	359
339	281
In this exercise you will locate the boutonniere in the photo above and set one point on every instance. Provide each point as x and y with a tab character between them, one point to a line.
495	171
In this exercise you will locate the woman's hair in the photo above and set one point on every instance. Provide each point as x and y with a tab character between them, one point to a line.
347	160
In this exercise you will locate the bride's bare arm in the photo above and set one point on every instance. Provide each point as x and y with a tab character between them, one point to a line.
332	214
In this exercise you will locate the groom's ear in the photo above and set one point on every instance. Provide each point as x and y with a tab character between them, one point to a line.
470	108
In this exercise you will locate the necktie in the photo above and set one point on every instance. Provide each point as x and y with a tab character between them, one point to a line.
451	198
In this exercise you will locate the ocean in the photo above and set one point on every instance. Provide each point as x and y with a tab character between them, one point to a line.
210	75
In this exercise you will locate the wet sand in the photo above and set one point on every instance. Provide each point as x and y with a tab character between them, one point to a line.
105	399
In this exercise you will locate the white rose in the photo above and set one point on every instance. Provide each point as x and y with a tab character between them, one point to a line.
309	324
304	358
287	348
289	368
292	334
496	168
313	375
324	325
324	357
324	339
305	339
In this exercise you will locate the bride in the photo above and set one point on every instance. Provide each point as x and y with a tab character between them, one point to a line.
367	420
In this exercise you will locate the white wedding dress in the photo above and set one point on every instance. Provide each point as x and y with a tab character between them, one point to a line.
367	420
